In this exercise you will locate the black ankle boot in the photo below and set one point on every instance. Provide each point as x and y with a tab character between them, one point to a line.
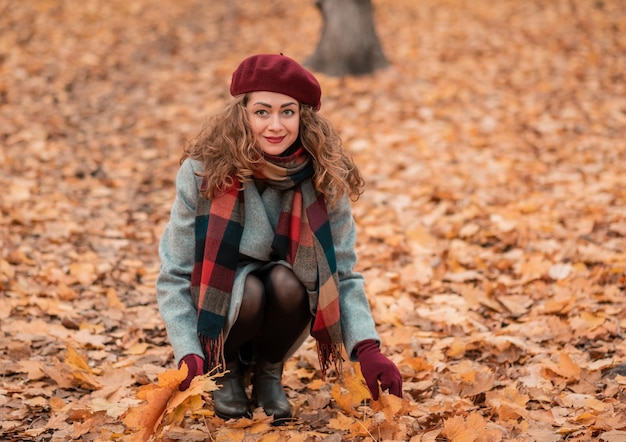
231	401
268	390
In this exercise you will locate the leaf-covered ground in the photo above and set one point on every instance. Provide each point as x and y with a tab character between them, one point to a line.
492	230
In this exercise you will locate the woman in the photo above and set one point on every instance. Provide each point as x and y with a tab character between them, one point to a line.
259	250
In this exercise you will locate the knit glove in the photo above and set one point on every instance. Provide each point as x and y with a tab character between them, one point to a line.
195	366
377	367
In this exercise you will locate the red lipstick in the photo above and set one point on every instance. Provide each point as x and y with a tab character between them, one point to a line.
274	140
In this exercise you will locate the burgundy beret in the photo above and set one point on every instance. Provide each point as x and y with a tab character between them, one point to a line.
276	73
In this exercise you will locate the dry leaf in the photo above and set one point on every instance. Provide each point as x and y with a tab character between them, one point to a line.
144	419
491	233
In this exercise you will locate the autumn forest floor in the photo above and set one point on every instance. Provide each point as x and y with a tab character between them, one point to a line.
492	229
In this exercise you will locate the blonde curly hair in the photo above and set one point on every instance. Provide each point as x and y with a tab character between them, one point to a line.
227	149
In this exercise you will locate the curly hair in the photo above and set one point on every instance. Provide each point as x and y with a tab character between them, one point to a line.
228	151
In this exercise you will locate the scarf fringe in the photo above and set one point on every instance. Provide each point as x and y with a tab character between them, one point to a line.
214	353
330	354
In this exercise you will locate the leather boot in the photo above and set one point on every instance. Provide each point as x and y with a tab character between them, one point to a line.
268	390
231	401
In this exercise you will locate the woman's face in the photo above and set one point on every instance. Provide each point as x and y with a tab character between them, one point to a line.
274	119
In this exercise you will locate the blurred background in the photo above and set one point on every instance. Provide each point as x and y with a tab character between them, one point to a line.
491	138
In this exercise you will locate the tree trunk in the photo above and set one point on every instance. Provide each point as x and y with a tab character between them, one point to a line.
348	44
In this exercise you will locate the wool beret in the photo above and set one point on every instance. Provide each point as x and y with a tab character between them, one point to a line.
276	73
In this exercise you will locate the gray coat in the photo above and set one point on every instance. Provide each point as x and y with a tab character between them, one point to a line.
176	251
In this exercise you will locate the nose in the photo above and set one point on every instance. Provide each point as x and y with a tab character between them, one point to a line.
275	123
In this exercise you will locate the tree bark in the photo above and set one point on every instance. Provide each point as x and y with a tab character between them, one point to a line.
348	43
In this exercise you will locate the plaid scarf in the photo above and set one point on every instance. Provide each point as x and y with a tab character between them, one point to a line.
302	238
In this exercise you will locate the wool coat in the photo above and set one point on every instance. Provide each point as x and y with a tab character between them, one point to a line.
261	210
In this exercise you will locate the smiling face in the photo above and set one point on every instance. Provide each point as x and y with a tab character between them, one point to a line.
274	119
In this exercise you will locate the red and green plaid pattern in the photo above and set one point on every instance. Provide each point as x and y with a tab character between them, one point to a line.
302	238
218	234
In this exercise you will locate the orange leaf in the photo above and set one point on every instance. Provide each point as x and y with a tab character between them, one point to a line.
344	400
113	300
190	399
341	422
85	272
508	403
474	429
457	348
356	385
456	430
144	419
392	406
566	368
81	373
76	361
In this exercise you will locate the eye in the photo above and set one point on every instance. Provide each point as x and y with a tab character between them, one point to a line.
289	112
261	112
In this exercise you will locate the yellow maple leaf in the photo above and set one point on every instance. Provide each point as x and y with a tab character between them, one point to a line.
144	419
477	421
456	430
175	415
352	391
344	400
392	406
356	385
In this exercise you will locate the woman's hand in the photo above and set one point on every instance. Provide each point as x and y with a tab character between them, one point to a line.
377	367
195	367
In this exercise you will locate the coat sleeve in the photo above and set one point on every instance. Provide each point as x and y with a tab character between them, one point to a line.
357	323
176	252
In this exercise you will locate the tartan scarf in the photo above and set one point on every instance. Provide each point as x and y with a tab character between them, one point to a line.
302	238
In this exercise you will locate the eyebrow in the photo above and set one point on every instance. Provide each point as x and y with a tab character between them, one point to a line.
260	103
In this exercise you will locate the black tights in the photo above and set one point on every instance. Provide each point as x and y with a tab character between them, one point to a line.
275	307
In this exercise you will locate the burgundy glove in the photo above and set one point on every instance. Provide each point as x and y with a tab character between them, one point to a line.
195	365
377	367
